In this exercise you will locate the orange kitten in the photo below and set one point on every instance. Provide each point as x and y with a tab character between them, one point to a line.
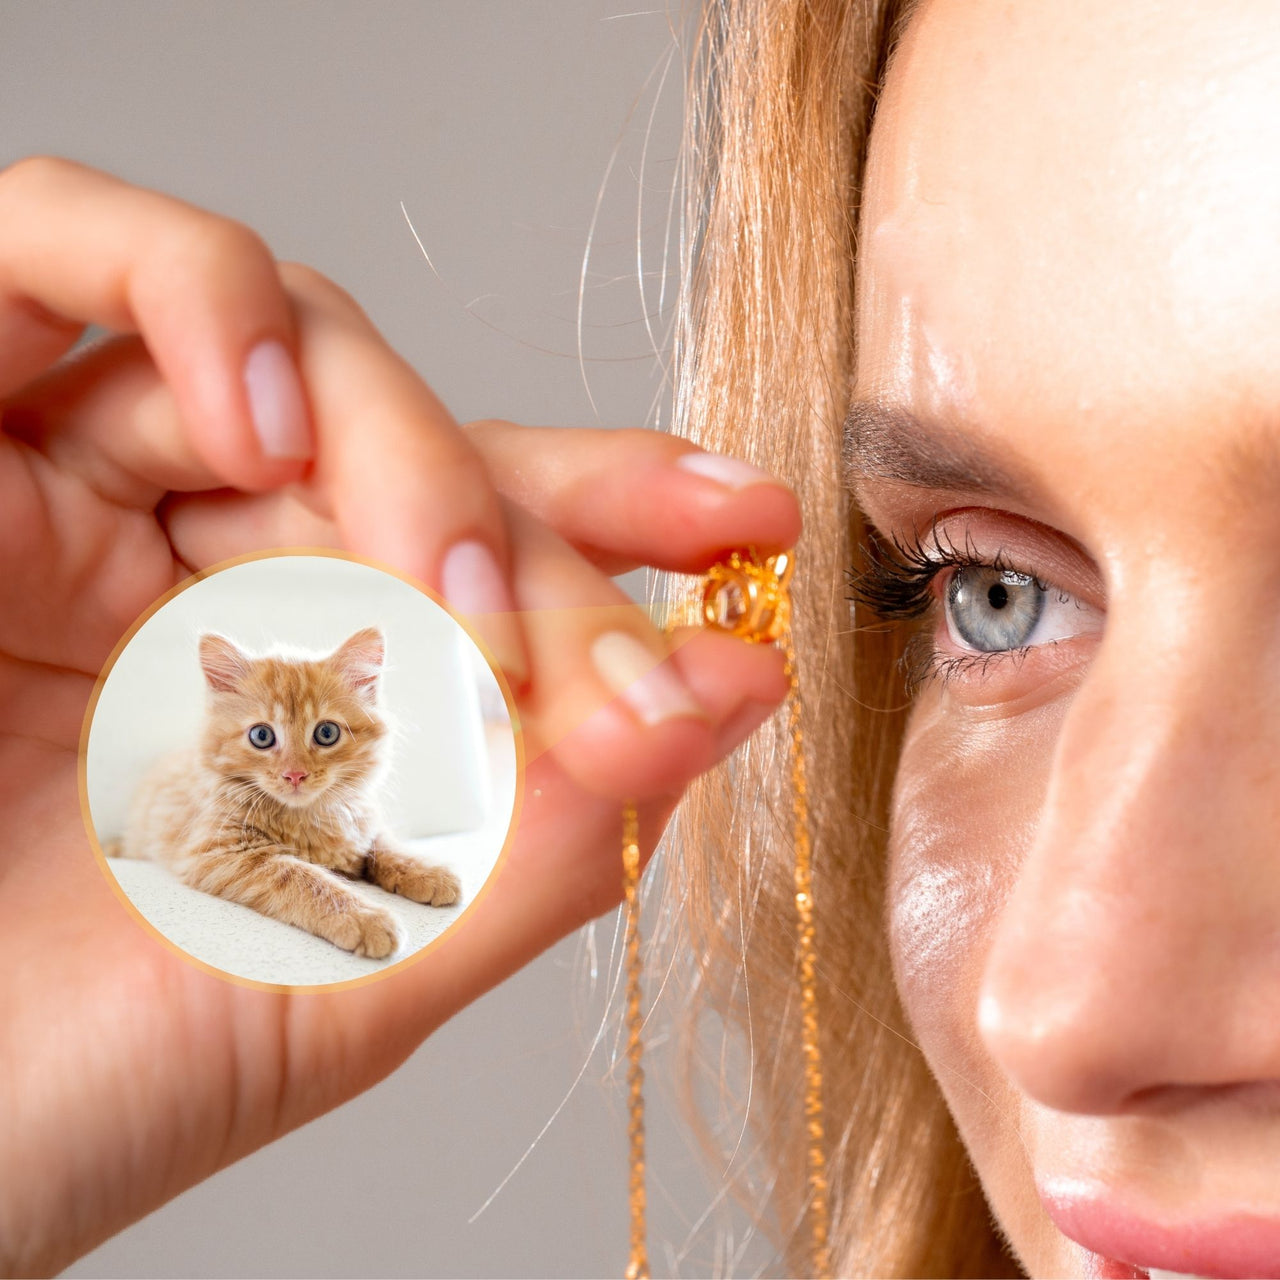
275	806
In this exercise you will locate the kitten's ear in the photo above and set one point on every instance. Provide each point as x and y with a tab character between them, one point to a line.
224	665
360	660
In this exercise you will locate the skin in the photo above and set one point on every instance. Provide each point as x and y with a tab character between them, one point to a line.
1070	263
126	1074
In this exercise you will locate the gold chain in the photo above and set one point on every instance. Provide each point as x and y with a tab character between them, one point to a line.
812	1052
638	1267
747	598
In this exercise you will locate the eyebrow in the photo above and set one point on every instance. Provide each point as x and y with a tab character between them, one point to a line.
889	442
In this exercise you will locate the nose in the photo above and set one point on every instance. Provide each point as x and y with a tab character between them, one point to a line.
1138	952
294	776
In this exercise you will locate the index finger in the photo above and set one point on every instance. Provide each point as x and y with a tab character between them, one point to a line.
79	247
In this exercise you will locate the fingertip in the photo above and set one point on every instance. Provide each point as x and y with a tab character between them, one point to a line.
246	411
700	519
765	516
723	672
746	495
207	298
475	586
741	724
652	689
673	721
611	755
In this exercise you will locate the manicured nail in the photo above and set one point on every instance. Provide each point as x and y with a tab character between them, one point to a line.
733	473
277	402
472	583
651	689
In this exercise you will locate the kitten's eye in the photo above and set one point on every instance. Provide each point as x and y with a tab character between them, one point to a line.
262	736
327	733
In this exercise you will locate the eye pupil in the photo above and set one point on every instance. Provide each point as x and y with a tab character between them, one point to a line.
998	596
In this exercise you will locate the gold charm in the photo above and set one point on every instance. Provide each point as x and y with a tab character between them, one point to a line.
747	596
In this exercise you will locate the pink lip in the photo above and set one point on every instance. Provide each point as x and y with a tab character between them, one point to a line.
1099	1268
1229	1245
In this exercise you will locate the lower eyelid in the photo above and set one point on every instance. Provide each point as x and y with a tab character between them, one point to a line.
1002	685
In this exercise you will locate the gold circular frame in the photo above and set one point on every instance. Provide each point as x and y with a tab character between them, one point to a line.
82	769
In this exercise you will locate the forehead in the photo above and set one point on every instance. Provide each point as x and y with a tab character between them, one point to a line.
1076	207
294	688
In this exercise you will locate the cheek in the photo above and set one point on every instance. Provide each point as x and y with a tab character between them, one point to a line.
966	804
229	748
334	757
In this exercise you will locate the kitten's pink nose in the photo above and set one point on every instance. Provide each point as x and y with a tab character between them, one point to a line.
295	776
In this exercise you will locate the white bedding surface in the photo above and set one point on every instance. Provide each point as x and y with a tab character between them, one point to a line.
239	940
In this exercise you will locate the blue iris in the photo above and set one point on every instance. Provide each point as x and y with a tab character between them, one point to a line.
993	610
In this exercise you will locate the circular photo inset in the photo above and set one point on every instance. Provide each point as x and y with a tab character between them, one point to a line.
300	769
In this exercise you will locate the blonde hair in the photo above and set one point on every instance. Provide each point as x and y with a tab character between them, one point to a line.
775	153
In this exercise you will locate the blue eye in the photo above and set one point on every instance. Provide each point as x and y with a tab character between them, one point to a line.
992	610
262	736
327	733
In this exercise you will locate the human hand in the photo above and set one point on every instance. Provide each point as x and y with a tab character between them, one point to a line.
129	1074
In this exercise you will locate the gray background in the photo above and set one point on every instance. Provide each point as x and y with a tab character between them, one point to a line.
501	126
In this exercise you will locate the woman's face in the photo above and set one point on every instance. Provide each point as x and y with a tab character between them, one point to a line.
1069	418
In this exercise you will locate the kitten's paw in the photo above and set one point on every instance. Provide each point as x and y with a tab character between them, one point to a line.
403	873
364	931
436	886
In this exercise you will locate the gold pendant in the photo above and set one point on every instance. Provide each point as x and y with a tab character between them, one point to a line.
747	596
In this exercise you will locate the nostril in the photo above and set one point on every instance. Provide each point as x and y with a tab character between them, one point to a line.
294	776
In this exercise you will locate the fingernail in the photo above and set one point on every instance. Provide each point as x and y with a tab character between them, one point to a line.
733	473
651	689
277	402
473	584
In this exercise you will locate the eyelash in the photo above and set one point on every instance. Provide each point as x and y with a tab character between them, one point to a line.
896	584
